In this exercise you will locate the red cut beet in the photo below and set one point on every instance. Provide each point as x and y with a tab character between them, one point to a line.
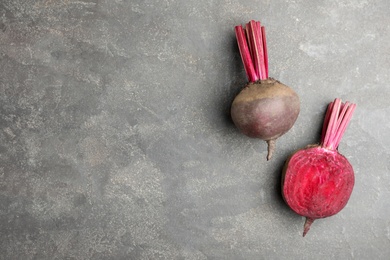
317	180
265	108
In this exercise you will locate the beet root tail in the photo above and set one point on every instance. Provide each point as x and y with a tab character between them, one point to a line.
307	225
271	148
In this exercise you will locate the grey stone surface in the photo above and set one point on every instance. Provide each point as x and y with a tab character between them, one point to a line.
116	141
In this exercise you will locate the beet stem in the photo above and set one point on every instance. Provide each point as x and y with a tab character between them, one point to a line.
249	41
265	51
271	148
326	121
344	123
337	118
258	48
307	225
261	53
331	129
253	50
245	54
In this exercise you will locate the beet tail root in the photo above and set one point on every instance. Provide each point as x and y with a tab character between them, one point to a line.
271	147
307	226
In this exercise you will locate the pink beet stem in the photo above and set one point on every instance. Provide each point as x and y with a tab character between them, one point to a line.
253	38
260	50
326	121
344	124
263	70
265	50
253	50
245	54
249	41
331	125
336	120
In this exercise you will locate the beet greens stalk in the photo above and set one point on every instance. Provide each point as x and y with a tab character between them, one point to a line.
265	108
318	180
336	121
253	49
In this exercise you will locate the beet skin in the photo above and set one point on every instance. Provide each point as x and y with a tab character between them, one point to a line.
265	109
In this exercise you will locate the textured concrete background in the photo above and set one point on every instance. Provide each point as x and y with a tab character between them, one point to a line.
116	141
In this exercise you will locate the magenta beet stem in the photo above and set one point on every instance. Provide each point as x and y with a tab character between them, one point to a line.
245	54
265	50
337	118
253	49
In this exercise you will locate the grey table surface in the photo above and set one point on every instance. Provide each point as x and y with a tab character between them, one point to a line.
116	140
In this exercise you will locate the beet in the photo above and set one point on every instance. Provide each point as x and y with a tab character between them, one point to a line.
265	108
317	180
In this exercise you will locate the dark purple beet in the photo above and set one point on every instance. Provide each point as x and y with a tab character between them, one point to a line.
266	110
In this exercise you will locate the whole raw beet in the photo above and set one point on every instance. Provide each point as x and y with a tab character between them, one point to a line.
265	109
